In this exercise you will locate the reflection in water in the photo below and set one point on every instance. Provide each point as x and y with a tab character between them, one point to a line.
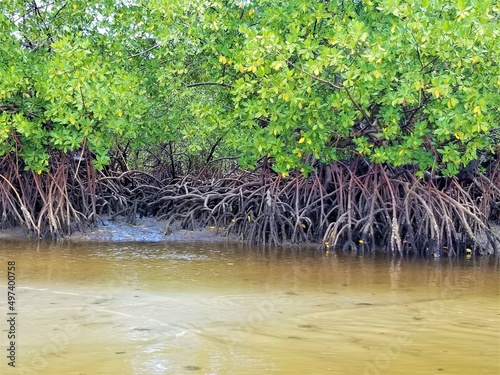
228	309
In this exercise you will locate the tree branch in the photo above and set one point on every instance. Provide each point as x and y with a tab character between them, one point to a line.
196	84
316	78
332	85
144	52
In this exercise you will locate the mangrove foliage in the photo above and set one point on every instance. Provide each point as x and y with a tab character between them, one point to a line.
356	124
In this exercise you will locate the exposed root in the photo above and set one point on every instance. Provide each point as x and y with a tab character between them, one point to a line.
351	206
49	204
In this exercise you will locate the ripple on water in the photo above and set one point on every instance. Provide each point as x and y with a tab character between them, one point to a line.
168	309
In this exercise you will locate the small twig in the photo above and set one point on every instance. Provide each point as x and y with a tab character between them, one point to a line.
143	52
316	78
197	84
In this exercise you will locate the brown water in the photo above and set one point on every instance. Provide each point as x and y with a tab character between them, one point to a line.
223	309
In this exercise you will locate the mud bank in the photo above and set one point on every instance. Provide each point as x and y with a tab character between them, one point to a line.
119	230
152	230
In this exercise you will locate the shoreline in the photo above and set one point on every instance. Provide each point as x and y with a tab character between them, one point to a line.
146	229
151	230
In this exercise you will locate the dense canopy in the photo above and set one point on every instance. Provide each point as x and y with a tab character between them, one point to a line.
401	82
350	123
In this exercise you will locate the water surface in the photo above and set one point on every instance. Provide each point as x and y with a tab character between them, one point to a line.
228	309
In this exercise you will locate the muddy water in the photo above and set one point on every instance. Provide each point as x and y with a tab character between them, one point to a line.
223	309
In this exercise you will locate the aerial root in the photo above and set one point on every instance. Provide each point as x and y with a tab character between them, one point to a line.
353	206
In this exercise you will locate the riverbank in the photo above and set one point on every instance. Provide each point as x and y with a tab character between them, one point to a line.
152	230
145	229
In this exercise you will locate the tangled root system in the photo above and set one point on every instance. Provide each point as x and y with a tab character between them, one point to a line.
349	206
337	206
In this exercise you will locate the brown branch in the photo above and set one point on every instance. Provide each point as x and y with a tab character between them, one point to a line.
196	84
316	78
334	86
144	52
